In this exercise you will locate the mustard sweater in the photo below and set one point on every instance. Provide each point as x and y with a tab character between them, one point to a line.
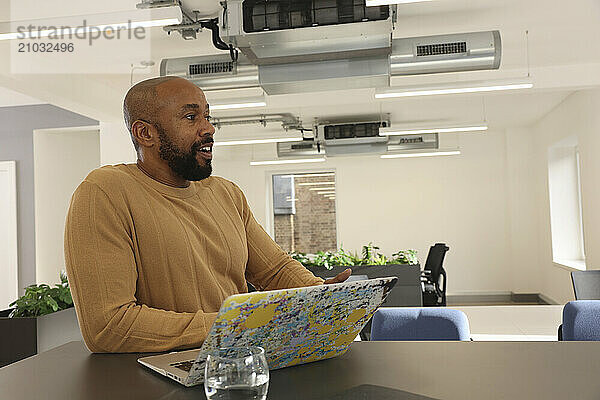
149	265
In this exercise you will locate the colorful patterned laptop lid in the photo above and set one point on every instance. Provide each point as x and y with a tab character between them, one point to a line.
295	326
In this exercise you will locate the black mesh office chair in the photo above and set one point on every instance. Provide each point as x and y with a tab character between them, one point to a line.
586	286
434	292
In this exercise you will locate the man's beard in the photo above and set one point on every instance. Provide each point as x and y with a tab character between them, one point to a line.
184	164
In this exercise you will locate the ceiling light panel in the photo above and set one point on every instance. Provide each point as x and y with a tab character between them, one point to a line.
460	88
414	155
401	132
293	161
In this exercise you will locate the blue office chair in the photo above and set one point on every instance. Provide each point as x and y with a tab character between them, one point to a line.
404	323
581	320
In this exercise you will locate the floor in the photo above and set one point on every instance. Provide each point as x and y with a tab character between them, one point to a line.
513	322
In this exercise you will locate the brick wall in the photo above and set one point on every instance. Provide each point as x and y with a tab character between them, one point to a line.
314	224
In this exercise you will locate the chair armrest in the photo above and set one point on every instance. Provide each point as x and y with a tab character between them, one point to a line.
443	273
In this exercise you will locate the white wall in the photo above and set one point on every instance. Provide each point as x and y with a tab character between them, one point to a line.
8	234
115	143
411	203
62	159
577	116
523	259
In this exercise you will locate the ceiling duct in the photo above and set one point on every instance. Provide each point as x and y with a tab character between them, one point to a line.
288	121
304	148
357	137
427	141
321	76
291	31
341	138
446	53
216	72
292	56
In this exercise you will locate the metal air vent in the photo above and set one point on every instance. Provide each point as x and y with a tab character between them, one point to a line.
414	142
275	32
270	15
441	49
446	53
351	131
211	68
305	148
302	146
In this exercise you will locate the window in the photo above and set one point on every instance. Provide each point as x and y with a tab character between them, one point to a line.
565	204
304	212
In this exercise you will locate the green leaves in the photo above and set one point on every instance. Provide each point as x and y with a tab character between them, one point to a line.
42	299
405	257
370	256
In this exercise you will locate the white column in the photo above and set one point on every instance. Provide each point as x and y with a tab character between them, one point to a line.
115	143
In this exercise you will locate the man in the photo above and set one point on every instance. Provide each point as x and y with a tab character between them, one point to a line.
152	249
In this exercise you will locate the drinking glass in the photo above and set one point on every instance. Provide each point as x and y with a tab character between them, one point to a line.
236	373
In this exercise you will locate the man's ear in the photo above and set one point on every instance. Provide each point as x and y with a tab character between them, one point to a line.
144	133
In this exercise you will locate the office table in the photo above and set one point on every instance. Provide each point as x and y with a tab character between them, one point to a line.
440	370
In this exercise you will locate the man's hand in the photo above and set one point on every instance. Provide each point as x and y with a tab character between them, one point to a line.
341	277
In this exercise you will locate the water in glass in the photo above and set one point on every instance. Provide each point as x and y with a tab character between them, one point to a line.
236	373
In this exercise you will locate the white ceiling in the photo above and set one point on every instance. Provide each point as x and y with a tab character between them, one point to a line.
564	56
10	98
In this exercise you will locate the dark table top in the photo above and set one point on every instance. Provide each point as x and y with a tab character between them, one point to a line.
369	370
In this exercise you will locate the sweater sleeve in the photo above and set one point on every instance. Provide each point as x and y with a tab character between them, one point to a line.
102	273
269	267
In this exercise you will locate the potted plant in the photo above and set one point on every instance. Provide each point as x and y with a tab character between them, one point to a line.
41	319
403	264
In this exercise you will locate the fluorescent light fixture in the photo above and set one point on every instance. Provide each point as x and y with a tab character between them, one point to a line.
396	131
371	3
316	183
328	192
307	175
319	189
465	87
233	104
256	141
431	154
65	26
293	161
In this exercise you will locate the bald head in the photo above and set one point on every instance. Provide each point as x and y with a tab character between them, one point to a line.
141	102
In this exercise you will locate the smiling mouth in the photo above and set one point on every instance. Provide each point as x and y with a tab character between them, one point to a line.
206	152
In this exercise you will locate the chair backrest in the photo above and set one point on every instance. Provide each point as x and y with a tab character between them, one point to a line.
586	285
435	260
354	278
581	320
429	323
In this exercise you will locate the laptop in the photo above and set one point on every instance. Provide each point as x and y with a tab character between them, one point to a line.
294	326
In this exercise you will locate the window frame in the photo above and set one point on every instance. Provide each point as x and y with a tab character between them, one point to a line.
270	218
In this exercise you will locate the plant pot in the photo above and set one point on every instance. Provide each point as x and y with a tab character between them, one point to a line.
406	292
24	337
